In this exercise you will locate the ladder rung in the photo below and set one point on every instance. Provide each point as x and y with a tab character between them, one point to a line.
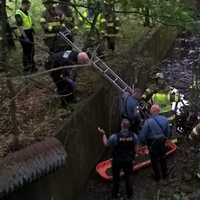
96	61
124	90
105	70
103	67
99	68
65	34
116	79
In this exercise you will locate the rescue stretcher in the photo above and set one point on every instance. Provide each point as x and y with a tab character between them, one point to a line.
142	160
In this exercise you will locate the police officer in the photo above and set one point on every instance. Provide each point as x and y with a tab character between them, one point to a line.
124	145
25	25
154	133
130	108
52	20
64	79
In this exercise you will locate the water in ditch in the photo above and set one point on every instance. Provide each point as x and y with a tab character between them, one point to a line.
182	184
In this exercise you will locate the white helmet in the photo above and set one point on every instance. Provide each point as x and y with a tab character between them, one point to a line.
159	75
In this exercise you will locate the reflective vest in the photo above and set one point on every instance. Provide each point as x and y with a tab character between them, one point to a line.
26	20
163	100
88	20
87	23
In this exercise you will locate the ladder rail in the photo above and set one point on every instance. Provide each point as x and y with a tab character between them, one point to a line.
113	73
64	36
124	89
123	86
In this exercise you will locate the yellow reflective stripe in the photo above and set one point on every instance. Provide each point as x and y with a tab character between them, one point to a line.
110	24
42	20
54	23
68	18
112	35
50	34
177	96
168	96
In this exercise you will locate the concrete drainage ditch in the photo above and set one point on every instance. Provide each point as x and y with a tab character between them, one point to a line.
78	135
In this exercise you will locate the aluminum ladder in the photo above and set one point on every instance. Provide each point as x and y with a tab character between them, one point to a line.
100	65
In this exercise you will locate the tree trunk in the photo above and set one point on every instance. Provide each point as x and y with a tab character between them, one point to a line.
4	46
6	38
3	41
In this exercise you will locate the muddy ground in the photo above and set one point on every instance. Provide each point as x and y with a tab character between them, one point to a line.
182	183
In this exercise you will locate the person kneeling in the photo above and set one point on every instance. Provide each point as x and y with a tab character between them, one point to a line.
63	78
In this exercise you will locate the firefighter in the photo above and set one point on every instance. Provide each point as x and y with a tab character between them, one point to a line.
112	24
25	25
154	133
52	20
124	146
92	21
64	79
162	95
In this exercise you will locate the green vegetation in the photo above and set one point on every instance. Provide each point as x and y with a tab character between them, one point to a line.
180	196
171	12
151	12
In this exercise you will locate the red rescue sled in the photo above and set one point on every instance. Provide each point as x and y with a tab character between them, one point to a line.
142	161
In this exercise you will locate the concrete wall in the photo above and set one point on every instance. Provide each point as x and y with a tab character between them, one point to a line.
79	135
152	50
